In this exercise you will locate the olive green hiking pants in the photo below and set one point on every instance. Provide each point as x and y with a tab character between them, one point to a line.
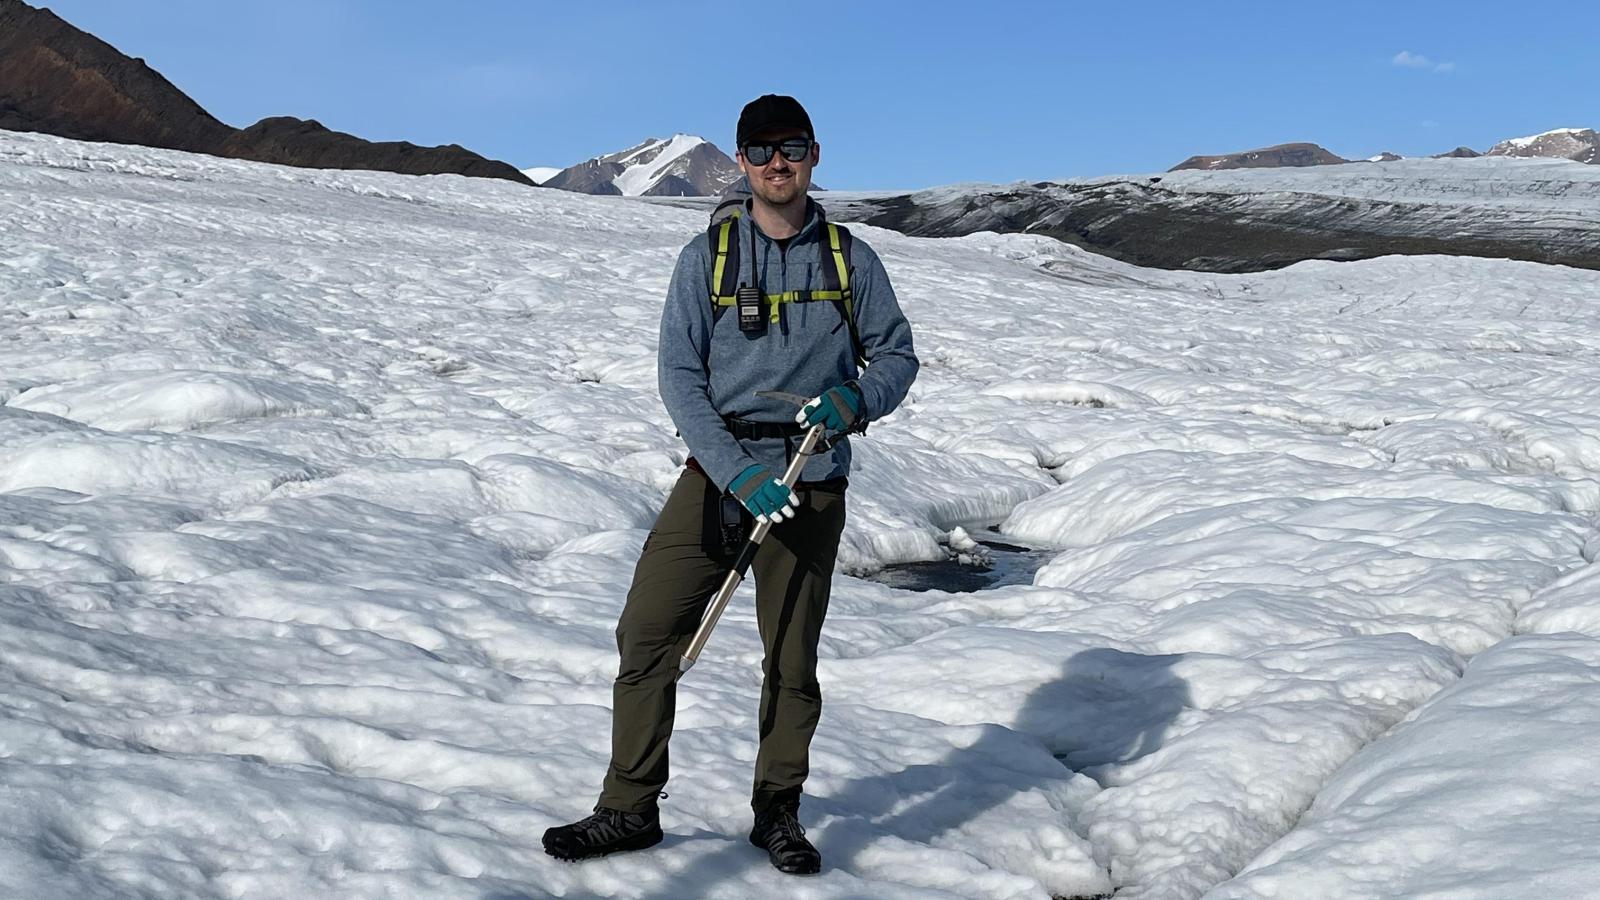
679	570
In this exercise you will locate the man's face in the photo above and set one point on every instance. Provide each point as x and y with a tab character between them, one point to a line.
780	182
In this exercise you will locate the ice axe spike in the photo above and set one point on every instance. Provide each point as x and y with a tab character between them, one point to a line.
785	396
801	401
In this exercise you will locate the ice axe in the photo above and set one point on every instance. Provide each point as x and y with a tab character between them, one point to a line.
814	443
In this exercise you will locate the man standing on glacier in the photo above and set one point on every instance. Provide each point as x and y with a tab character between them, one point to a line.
816	316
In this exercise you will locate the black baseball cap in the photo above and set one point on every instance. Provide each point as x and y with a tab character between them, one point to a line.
772	111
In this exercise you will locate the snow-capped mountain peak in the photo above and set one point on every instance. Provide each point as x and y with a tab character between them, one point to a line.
1533	139
656	149
1581	144
682	165
653	160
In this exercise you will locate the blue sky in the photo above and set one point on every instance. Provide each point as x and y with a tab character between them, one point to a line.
903	94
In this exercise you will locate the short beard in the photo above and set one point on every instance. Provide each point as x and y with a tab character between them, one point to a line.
794	194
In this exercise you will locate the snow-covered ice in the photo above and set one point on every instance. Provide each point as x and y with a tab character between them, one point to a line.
320	492
1490	791
1561	188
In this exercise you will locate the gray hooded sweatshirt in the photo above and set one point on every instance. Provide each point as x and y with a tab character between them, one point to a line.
709	369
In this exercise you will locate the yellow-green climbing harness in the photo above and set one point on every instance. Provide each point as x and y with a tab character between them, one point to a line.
835	278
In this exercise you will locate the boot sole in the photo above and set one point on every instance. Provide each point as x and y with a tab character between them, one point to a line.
641	842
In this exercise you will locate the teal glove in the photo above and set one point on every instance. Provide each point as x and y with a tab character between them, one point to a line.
836	409
766	497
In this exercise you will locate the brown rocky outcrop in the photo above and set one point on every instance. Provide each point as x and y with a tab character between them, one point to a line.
1297	154
57	79
1577	144
306	142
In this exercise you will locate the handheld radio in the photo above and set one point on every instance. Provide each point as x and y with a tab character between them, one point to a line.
751	320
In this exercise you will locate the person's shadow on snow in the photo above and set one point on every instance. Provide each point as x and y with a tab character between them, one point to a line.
1108	707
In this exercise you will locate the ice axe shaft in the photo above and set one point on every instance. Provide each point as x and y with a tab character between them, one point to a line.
746	555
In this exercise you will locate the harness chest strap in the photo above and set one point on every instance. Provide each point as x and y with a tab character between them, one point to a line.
835	278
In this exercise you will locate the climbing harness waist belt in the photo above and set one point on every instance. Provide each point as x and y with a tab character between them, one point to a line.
745	430
827	484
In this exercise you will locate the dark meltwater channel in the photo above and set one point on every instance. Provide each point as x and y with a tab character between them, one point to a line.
992	563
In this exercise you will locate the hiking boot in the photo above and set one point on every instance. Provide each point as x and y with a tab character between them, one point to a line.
779	832
607	831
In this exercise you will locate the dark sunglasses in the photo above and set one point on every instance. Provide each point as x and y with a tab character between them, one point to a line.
760	153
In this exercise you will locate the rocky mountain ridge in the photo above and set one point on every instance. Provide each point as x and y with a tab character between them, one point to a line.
58	79
683	165
1265	218
1579	144
1296	154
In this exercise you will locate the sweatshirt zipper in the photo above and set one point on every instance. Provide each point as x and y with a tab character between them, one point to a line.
783	280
